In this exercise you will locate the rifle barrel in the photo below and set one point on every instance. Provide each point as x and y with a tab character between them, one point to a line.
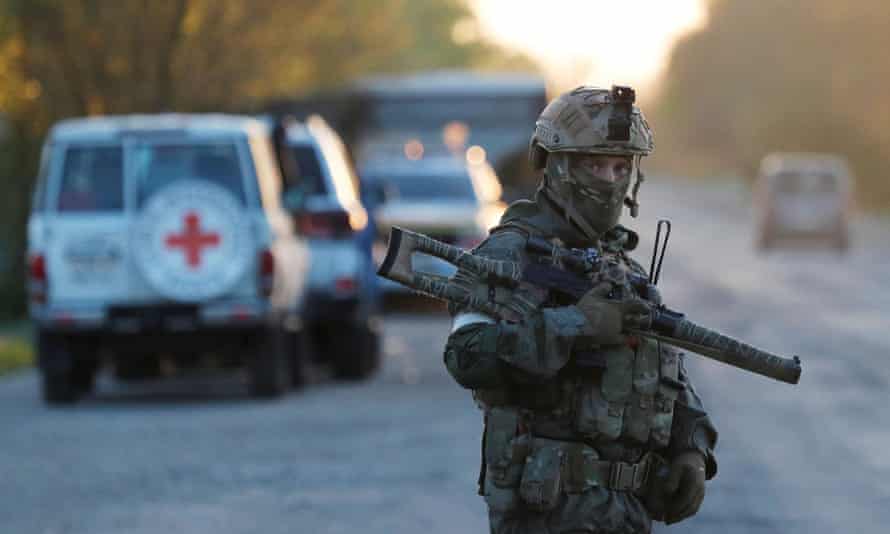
720	347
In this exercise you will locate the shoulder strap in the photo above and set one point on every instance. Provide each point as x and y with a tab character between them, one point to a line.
514	226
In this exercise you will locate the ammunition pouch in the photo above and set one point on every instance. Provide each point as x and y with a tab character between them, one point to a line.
635	397
556	467
504	448
534	472
541	484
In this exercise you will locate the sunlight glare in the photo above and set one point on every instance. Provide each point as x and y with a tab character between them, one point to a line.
592	41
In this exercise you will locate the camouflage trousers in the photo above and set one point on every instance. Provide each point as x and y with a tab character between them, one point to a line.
595	511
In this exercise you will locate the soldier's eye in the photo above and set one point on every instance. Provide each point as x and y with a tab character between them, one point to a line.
622	169
589	164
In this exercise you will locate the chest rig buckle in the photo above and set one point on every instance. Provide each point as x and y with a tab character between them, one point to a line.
628	477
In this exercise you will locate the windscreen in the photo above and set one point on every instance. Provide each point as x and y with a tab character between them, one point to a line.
447	188
92	179
809	183
310	175
155	166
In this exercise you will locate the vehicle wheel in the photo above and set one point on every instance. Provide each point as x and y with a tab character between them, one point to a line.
59	389
298	352
84	376
57	369
85	363
268	364
355	352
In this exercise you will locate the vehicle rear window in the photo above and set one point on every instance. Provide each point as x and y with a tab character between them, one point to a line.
155	166
411	187
311	178
92	179
793	183
821	183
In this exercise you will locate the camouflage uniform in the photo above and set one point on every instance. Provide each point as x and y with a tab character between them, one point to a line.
578	437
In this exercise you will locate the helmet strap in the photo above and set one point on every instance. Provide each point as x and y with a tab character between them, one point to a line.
631	201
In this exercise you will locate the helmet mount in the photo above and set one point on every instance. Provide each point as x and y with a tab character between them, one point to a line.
623	98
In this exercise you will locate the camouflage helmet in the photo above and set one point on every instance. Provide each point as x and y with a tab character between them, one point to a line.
591	120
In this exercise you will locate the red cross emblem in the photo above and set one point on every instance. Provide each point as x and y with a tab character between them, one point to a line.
192	241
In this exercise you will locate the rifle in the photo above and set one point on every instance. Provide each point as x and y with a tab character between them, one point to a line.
662	324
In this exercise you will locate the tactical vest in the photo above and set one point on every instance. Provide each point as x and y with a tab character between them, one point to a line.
634	397
624	393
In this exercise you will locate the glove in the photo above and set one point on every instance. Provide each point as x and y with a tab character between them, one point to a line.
607	318
685	486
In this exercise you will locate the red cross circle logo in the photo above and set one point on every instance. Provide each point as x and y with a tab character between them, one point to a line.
192	241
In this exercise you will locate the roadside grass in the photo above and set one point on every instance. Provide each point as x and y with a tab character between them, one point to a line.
16	351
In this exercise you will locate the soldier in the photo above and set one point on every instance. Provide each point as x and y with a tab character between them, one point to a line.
587	430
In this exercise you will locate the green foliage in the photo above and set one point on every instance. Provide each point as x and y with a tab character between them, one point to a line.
62	58
14	354
94	56
775	76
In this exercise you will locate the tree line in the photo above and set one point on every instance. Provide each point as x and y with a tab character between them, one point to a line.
780	75
64	58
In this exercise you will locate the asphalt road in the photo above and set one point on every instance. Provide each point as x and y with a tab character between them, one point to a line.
399	453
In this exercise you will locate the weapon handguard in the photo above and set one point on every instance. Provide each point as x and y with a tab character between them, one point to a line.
672	327
744	357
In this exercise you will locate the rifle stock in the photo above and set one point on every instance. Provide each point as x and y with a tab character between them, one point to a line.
674	329
397	267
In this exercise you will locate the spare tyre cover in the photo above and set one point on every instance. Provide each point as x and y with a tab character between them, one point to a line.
192	241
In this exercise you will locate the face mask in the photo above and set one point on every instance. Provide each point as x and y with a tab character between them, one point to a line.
597	201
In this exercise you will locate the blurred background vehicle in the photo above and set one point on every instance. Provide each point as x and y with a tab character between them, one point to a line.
341	307
452	199
447	111
157	239
803	199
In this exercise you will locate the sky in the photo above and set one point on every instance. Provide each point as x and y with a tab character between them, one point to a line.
597	42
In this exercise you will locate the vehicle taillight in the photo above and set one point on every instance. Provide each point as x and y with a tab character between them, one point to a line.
37	278
266	272
345	285
324	224
242	313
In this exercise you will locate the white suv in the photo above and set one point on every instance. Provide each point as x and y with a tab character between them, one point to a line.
163	235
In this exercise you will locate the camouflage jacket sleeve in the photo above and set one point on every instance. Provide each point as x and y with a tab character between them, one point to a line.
692	428
485	352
